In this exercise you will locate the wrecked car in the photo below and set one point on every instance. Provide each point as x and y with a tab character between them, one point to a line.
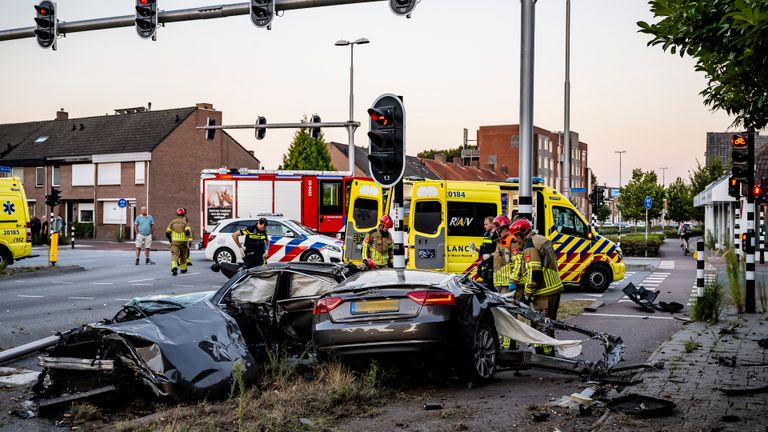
185	347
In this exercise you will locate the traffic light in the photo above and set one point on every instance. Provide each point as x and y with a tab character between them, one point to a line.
734	187
47	24
600	191
146	18
386	151
740	157
592	200
402	7
53	199
760	192
210	133
260	132
262	12
315	131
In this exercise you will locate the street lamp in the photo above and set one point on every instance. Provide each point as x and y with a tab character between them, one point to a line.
663	176
350	128
620	152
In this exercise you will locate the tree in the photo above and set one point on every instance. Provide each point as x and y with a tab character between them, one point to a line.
631	199
449	153
679	201
602	214
728	40
306	153
700	178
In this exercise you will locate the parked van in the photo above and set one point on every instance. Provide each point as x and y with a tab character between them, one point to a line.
445	218
15	227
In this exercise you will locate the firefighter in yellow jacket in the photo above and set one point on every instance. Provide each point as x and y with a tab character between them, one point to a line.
542	277
378	244
178	233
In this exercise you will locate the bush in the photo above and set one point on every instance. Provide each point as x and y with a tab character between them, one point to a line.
83	230
634	244
707	308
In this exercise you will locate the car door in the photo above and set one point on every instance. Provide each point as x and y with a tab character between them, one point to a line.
366	206
428	227
572	240
296	301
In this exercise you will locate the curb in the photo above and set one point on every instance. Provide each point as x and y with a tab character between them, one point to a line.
49	271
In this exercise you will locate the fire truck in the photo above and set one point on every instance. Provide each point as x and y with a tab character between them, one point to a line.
317	199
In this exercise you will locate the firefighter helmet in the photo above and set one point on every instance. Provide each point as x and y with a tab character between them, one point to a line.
502	221
521	226
386	221
369	264
180	212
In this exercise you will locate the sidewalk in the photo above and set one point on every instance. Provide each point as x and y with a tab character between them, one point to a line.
692	379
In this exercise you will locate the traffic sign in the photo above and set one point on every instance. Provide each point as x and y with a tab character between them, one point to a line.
648	202
615	192
122	203
5	169
578	190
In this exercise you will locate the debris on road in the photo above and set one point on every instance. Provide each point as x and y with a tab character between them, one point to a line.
727	361
739	391
429	406
646	300
642	406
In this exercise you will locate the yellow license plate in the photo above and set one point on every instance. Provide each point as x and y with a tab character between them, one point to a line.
375	306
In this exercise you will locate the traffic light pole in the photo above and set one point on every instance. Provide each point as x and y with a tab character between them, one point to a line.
525	198
164	17
749	300
285	126
399	254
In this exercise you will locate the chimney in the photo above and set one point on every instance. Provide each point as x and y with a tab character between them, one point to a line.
62	115
457	161
204	106
504	169
440	157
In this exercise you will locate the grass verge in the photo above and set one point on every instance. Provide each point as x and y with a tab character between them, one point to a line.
708	307
571	308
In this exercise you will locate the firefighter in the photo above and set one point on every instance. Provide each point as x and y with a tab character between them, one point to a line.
178	233
487	248
502	264
256	243
378	244
542	278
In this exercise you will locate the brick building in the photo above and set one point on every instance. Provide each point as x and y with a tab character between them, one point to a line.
148	158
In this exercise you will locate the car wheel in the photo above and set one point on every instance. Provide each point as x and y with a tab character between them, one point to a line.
596	279
485	353
5	259
224	255
312	256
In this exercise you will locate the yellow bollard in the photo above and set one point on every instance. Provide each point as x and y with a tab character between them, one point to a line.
53	251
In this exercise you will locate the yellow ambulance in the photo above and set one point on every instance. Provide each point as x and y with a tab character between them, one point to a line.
15	228
444	219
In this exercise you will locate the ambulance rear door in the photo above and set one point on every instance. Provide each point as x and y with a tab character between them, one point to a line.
468	204
428	226
366	206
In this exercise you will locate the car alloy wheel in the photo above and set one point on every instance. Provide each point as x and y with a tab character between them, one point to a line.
313	257
224	255
485	351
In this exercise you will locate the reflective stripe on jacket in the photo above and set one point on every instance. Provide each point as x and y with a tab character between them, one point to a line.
540	256
179	230
378	247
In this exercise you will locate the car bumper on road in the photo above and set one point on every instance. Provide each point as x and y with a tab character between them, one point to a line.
619	269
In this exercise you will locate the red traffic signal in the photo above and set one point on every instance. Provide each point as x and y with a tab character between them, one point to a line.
756	191
46	24
738	140
380	116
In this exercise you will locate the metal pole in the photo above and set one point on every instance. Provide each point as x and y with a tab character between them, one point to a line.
699	268
761	230
567	127
620	152
528	8
163	17
21	350
350	129
737	226
399	253
749	300
646	233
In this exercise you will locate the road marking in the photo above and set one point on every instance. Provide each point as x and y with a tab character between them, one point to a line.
580	299
141	284
667	265
142	280
593	295
190	274
627	316
625	301
184	286
103	283
29	296
122	299
61	282
81	298
215	286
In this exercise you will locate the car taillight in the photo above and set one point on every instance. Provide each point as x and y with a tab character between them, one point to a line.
211	237
326	305
429	298
29	232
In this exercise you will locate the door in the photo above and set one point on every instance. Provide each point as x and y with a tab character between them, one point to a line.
331	204
572	241
428	228
366	206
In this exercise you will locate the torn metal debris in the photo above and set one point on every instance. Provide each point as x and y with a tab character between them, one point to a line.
646	300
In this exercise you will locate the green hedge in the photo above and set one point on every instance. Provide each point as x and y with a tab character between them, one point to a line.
83	230
634	244
671	233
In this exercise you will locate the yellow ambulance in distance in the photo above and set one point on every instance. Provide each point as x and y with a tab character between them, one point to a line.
15	228
445	218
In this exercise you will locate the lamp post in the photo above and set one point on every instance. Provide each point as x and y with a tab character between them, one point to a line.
350	128
663	176
620	152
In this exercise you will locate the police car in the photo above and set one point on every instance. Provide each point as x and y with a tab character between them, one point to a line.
288	241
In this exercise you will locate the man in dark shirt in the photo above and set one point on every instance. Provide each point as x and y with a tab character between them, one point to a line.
487	248
256	244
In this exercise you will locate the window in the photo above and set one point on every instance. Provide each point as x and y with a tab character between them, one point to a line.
237	226
277	229
56	176
138	173
85	212
428	216
40	176
83	174
259	288
109	173
18	172
330	193
304	285
366	213
466	218
568	222
113	214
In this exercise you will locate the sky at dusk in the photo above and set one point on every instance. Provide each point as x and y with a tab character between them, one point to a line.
457	67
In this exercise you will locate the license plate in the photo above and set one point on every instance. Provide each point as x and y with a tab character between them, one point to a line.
375	306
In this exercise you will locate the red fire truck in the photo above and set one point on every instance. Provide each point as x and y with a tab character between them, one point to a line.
317	199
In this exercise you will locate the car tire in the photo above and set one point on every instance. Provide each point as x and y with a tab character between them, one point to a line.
597	279
484	354
5	259
225	255
312	256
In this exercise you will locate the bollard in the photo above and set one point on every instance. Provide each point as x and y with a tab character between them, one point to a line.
699	268
72	236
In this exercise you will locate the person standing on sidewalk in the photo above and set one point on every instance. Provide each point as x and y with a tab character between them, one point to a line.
256	244
178	233
143	230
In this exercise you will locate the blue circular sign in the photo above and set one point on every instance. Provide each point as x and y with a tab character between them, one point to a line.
648	202
122	203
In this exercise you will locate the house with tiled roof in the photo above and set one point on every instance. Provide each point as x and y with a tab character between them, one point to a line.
144	157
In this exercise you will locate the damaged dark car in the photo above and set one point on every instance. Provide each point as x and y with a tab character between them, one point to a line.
185	348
